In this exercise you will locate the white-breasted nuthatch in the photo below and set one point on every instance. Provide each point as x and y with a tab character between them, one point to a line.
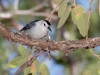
37	28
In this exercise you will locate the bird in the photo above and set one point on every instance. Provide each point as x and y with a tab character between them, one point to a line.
37	29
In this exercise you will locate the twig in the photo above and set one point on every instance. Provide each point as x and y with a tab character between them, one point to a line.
29	63
74	1
26	12
16	5
89	11
96	55
88	22
11	14
17	25
52	12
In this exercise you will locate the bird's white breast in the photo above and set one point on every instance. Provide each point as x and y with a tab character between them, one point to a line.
37	32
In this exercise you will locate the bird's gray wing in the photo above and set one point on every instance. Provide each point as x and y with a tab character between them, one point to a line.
29	25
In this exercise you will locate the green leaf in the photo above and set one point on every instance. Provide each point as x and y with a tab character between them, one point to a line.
33	69
64	17
44	69
98	71
18	61
56	1
27	70
87	72
80	18
62	8
73	16
23	51
37	64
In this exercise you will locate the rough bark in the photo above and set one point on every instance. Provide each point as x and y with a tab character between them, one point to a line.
67	46
51	44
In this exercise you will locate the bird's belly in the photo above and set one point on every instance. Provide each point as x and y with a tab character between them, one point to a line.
36	34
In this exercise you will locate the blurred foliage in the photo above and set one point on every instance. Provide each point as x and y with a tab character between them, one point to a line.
26	4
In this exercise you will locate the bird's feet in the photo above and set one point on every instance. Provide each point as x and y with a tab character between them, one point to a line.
48	51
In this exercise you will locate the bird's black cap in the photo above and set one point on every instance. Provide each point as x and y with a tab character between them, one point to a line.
47	22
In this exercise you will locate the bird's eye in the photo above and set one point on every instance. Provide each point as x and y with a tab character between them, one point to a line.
44	24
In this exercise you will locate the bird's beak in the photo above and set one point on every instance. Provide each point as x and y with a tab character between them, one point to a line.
49	28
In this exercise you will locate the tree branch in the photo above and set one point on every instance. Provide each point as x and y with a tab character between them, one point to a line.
67	46
51	44
29	63
24	12
16	5
31	11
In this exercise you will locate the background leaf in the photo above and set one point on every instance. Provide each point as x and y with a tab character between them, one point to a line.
62	8
23	51
18	61
56	1
73	16
64	17
37	64
27	70
44	69
80	18
87	72
35	67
